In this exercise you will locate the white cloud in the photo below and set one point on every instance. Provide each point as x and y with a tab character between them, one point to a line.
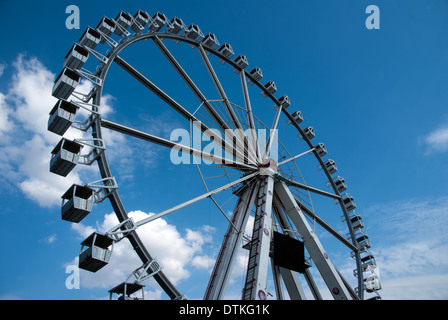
427	287
410	242
437	140
50	239
203	262
25	143
30	93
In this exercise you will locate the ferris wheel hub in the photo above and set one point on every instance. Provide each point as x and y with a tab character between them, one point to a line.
268	167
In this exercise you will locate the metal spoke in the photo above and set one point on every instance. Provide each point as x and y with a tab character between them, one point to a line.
210	109
175	105
156	90
216	117
220	89
189	202
250	115
295	157
324	225
211	197
230	111
272	132
174	145
312	189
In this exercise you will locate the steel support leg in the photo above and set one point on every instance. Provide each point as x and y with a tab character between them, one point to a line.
326	268
277	281
255	287
295	290
312	284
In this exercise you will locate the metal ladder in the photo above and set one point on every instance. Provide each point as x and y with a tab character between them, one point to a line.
255	284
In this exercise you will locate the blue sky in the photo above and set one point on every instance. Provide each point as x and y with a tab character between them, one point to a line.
377	99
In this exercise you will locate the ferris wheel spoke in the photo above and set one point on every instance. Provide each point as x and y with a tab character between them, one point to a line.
272	132
215	116
156	90
250	115
175	146
299	185
211	197
296	157
222	93
194	200
324	225
237	149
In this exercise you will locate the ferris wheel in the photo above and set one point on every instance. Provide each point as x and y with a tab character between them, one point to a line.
250	163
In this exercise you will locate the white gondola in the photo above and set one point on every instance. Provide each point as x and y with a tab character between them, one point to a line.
284	101
64	157
297	116
90	38
107	27
271	87
210	41
321	150
372	284
372	278
367	259
340	183
362	239
65	84
123	20
157	23
331	166
226	50
125	289
257	74
356	221
309	132
76	57
141	19
193	32
241	61
97	254
349	202
175	25
62	116
77	203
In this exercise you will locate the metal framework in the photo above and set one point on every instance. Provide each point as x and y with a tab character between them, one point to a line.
275	195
